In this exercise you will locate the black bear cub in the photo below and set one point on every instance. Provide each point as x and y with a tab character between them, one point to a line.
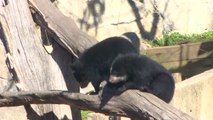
132	71
94	64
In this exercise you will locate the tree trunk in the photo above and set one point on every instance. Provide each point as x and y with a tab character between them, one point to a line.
31	67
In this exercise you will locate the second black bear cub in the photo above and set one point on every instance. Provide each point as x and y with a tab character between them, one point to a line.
94	64
132	71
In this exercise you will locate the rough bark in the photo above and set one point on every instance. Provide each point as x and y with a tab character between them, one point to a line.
32	68
132	103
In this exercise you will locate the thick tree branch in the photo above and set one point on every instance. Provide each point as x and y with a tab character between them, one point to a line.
62	28
147	107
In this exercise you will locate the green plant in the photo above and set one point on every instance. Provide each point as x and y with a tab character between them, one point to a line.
177	38
84	114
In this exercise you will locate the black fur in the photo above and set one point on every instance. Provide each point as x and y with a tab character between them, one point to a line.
132	71
94	64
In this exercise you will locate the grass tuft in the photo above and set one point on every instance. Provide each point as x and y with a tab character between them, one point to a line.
84	114
177	38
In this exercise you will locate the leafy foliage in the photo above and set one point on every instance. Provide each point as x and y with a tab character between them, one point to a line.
84	114
177	38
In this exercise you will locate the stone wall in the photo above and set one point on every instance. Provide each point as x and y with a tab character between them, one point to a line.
148	19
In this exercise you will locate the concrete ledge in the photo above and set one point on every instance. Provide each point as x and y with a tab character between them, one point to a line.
194	96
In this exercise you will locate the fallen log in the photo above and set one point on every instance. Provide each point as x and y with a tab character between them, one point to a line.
132	103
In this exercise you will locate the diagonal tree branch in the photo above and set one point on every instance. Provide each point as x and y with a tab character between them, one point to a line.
147	107
62	28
